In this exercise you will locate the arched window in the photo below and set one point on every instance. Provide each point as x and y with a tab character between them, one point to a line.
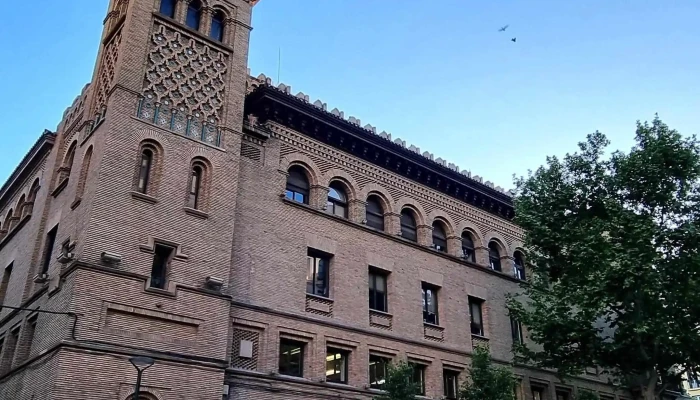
167	8
217	26
145	170
494	257
31	200
337	200
409	230
439	237
375	213
468	252
68	162
8	220
519	266
84	172
20	206
297	185
194	14
195	187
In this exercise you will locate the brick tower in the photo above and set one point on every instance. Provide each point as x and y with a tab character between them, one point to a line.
132	252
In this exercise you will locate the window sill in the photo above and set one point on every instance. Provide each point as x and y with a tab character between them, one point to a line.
479	337
380	312
59	188
161	292
196	213
317	297
76	203
433	326
144	197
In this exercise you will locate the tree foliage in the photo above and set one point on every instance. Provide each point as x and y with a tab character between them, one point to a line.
399	383
486	381
614	245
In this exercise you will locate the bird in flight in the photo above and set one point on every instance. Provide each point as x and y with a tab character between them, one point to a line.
513	40
504	28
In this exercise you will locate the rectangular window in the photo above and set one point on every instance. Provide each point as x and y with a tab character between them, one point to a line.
291	358
419	377
516	329
48	249
317	273
377	371
7	274
161	261
430	304
477	318
450	383
537	393
9	353
337	366
563	394
377	291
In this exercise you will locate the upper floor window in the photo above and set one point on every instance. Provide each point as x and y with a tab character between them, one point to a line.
8	220
377	291
519	266
477	321
337	365
194	14
468	251
291	361
7	274
450	383
167	8
317	273
337	201
145	170
516	329
297	185
439	237
563	394
377	371
375	213
85	169
409	229
217	26
33	191
162	256
195	186
48	249
419	377
494	257
430	303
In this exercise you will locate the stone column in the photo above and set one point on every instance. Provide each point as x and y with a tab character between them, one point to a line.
357	211
508	265
181	10
481	255
454	246
425	235
230	32
205	22
318	197
392	223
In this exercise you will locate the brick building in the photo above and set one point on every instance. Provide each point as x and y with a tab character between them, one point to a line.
255	244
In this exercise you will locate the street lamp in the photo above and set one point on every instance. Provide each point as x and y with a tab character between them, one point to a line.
141	364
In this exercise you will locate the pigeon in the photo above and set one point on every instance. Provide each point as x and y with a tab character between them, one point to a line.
513	40
504	28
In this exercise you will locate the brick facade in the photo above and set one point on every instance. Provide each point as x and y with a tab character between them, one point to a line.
235	282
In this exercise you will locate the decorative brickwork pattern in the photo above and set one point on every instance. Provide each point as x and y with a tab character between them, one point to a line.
434	333
380	320
237	361
184	87
251	151
319	306
479	341
105	78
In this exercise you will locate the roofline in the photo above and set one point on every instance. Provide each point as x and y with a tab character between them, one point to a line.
39	149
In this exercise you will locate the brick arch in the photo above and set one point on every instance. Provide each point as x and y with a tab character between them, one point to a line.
379	191
500	240
204	184
517	245
337	174
143	395
407	202
151	134
471	228
304	161
447	221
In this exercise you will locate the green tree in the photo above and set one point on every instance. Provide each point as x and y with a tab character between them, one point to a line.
487	381
614	244
399	383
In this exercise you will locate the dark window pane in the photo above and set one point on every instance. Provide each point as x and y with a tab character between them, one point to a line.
194	14
145	170
419	378
297	185
450	383
377	371
408	226
217	26
317	274
337	201
477	324
291	358
161	259
167	8
439	237
519	266
375	213
494	257
430	304
195	187
48	250
468	247
377	292
516	330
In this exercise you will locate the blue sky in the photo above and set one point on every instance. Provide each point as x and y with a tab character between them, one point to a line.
437	74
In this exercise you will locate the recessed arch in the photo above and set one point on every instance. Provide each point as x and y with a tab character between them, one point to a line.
218	24
409	223
193	18
199	183
407	202
338	199
439	215
345	179
305	162
440	235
